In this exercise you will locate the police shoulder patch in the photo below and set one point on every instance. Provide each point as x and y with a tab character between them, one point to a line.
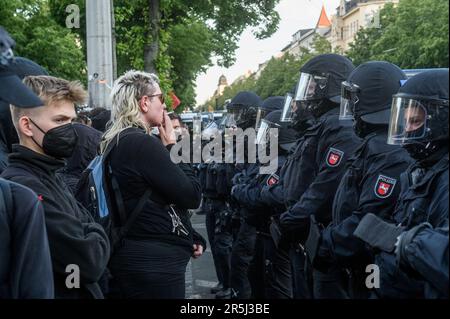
384	186
334	157
273	180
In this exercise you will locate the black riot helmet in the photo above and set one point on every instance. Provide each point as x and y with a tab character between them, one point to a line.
419	115
366	96
269	105
319	86
242	109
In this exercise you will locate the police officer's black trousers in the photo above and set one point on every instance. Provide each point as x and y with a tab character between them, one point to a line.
330	285
210	221
270	270
223	243
301	288
241	256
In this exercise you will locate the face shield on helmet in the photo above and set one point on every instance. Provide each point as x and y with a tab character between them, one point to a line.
260	115
240	116
263	136
349	99
411	118
289	108
311	87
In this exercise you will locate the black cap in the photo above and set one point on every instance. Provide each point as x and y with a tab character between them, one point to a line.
336	66
12	90
378	82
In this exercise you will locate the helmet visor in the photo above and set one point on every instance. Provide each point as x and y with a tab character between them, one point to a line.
288	108
260	115
408	120
235	116
266	129
311	87
349	99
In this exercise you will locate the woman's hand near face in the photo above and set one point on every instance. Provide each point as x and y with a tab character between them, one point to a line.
166	131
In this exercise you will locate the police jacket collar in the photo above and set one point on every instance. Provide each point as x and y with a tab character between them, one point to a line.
436	169
33	160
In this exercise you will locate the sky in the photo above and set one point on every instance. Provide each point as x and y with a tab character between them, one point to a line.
294	14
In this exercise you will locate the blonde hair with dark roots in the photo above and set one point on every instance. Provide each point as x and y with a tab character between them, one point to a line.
51	89
125	96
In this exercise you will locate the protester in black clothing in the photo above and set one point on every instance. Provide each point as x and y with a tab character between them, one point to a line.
46	138
25	264
100	118
152	260
313	171
85	151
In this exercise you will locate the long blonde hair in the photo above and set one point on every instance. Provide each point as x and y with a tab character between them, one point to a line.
125	96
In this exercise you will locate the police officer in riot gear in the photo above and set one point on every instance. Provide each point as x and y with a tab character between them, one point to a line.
242	110
419	122
270	271
313	171
269	105
371	183
241	114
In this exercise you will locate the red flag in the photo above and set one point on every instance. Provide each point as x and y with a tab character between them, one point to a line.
175	100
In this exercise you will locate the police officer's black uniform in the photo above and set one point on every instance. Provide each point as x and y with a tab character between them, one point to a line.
312	173
371	183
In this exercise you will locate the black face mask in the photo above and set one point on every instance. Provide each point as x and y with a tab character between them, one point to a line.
59	142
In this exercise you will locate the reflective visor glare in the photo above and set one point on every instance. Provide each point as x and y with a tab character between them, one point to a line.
408	121
288	110
309	87
346	111
230	120
259	117
263	132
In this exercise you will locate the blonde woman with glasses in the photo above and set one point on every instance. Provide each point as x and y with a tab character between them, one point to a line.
151	260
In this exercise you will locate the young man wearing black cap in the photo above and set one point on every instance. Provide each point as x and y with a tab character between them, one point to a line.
79	246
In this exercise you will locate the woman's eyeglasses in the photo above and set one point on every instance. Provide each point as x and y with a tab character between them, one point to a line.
160	96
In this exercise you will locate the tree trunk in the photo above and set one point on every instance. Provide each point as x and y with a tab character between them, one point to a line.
151	49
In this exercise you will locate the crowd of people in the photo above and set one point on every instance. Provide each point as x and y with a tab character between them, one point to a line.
361	183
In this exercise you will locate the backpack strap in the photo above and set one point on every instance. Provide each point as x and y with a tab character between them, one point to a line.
122	231
125	221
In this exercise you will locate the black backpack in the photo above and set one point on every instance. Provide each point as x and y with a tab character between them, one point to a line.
98	191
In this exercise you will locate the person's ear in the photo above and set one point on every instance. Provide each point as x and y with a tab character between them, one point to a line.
143	104
25	126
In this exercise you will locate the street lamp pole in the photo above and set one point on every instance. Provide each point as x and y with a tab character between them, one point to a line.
99	51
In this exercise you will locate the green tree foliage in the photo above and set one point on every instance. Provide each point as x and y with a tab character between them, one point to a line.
189	34
41	39
412	35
